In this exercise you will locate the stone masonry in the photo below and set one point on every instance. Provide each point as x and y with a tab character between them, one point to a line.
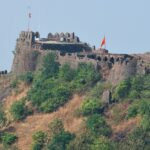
30	49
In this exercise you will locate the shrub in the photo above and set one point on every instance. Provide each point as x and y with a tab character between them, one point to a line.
59	137
19	110
36	146
8	139
82	141
38	140
141	107
138	139
97	125
145	123
56	126
133	94
86	75
49	94
146	93
122	90
59	141
102	143
59	96
66	73
27	78
133	110
144	107
119	113
14	83
91	106
2	116
50	66
140	87
137	85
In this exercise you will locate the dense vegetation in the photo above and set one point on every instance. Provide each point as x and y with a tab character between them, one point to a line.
96	132
54	85
55	139
19	110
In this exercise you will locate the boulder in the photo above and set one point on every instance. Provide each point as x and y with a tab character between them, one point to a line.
106	98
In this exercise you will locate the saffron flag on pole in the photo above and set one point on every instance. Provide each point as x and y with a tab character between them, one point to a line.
103	42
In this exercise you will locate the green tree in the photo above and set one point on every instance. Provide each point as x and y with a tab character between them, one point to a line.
145	123
82	141
91	106
39	138
133	110
59	96
27	78
86	75
56	126
19	110
59	137
138	139
50	65
102	143
97	125
137	85
60	141
66	73
122	90
8	139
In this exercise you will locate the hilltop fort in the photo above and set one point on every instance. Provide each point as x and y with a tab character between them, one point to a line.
34	103
30	49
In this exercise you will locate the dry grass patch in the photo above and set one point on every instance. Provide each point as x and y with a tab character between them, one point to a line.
25	129
116	118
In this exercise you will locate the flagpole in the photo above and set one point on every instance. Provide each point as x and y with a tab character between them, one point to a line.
29	18
28	24
105	42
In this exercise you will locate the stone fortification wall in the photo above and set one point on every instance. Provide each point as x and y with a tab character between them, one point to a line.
24	57
113	67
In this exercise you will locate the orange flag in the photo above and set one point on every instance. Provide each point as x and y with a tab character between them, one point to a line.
103	42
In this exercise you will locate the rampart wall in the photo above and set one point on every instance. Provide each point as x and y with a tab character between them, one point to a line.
113	67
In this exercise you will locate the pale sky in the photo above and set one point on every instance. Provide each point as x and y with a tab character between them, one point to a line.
125	23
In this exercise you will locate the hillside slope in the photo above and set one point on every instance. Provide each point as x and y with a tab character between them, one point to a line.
63	108
41	121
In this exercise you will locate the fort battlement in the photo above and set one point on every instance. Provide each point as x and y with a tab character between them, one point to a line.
30	49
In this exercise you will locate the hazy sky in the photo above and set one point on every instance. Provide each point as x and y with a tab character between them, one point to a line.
126	23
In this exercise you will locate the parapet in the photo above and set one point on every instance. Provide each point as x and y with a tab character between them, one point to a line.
63	37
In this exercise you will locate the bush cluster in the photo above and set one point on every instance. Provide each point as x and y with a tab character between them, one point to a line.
91	106
8	139
27	78
38	140
97	125
54	85
55	139
19	110
134	88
